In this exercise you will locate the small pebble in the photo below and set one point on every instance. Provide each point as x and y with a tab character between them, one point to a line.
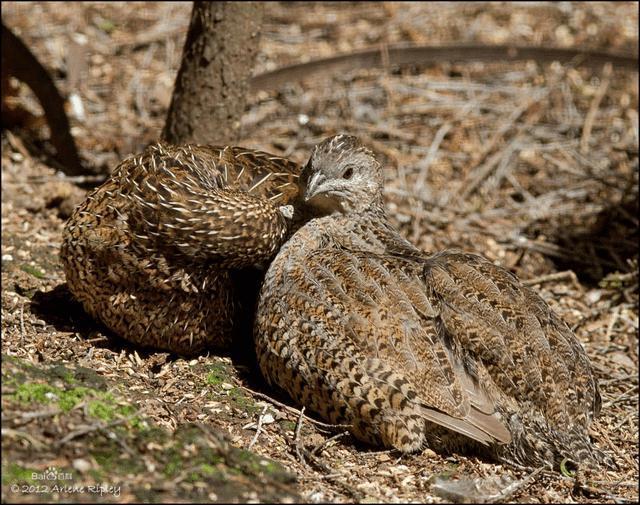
267	419
594	296
82	465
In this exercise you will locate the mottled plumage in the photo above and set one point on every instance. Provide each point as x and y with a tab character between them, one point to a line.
446	350
151	252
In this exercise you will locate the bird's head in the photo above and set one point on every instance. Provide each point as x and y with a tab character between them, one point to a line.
341	176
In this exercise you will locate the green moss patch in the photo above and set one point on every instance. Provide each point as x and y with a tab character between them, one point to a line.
13	473
35	271
217	374
191	464
242	401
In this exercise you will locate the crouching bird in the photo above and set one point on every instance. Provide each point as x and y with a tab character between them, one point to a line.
446	351
154	251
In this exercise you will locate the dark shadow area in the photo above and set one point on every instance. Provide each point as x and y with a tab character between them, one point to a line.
603	246
243	353
59	309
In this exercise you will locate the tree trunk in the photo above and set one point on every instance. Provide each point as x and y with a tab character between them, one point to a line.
213	81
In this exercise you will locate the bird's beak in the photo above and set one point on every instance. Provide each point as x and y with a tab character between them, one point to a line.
313	185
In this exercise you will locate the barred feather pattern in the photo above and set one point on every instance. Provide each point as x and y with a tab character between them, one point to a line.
411	350
150	252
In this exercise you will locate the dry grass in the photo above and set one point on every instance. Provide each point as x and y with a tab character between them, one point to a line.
535	166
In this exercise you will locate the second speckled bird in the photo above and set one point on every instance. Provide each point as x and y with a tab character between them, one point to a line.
150	252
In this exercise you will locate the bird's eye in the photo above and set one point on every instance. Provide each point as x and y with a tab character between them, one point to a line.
347	173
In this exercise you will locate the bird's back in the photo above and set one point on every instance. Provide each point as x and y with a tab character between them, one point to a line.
149	251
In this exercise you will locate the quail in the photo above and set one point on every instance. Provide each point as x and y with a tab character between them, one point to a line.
413	350
152	252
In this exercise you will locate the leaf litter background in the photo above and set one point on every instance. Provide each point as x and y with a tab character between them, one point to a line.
533	165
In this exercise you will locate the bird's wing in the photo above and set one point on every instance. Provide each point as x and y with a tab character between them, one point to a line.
207	203
262	174
370	329
497	322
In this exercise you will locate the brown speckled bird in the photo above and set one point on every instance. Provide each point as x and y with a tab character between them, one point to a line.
447	351
152	251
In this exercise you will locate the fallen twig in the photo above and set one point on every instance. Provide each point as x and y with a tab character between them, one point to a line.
22	325
297	442
331	427
324	444
413	55
593	109
258	428
27	417
35	443
99	426
557	276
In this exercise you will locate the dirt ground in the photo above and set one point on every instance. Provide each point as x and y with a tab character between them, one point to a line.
533	165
